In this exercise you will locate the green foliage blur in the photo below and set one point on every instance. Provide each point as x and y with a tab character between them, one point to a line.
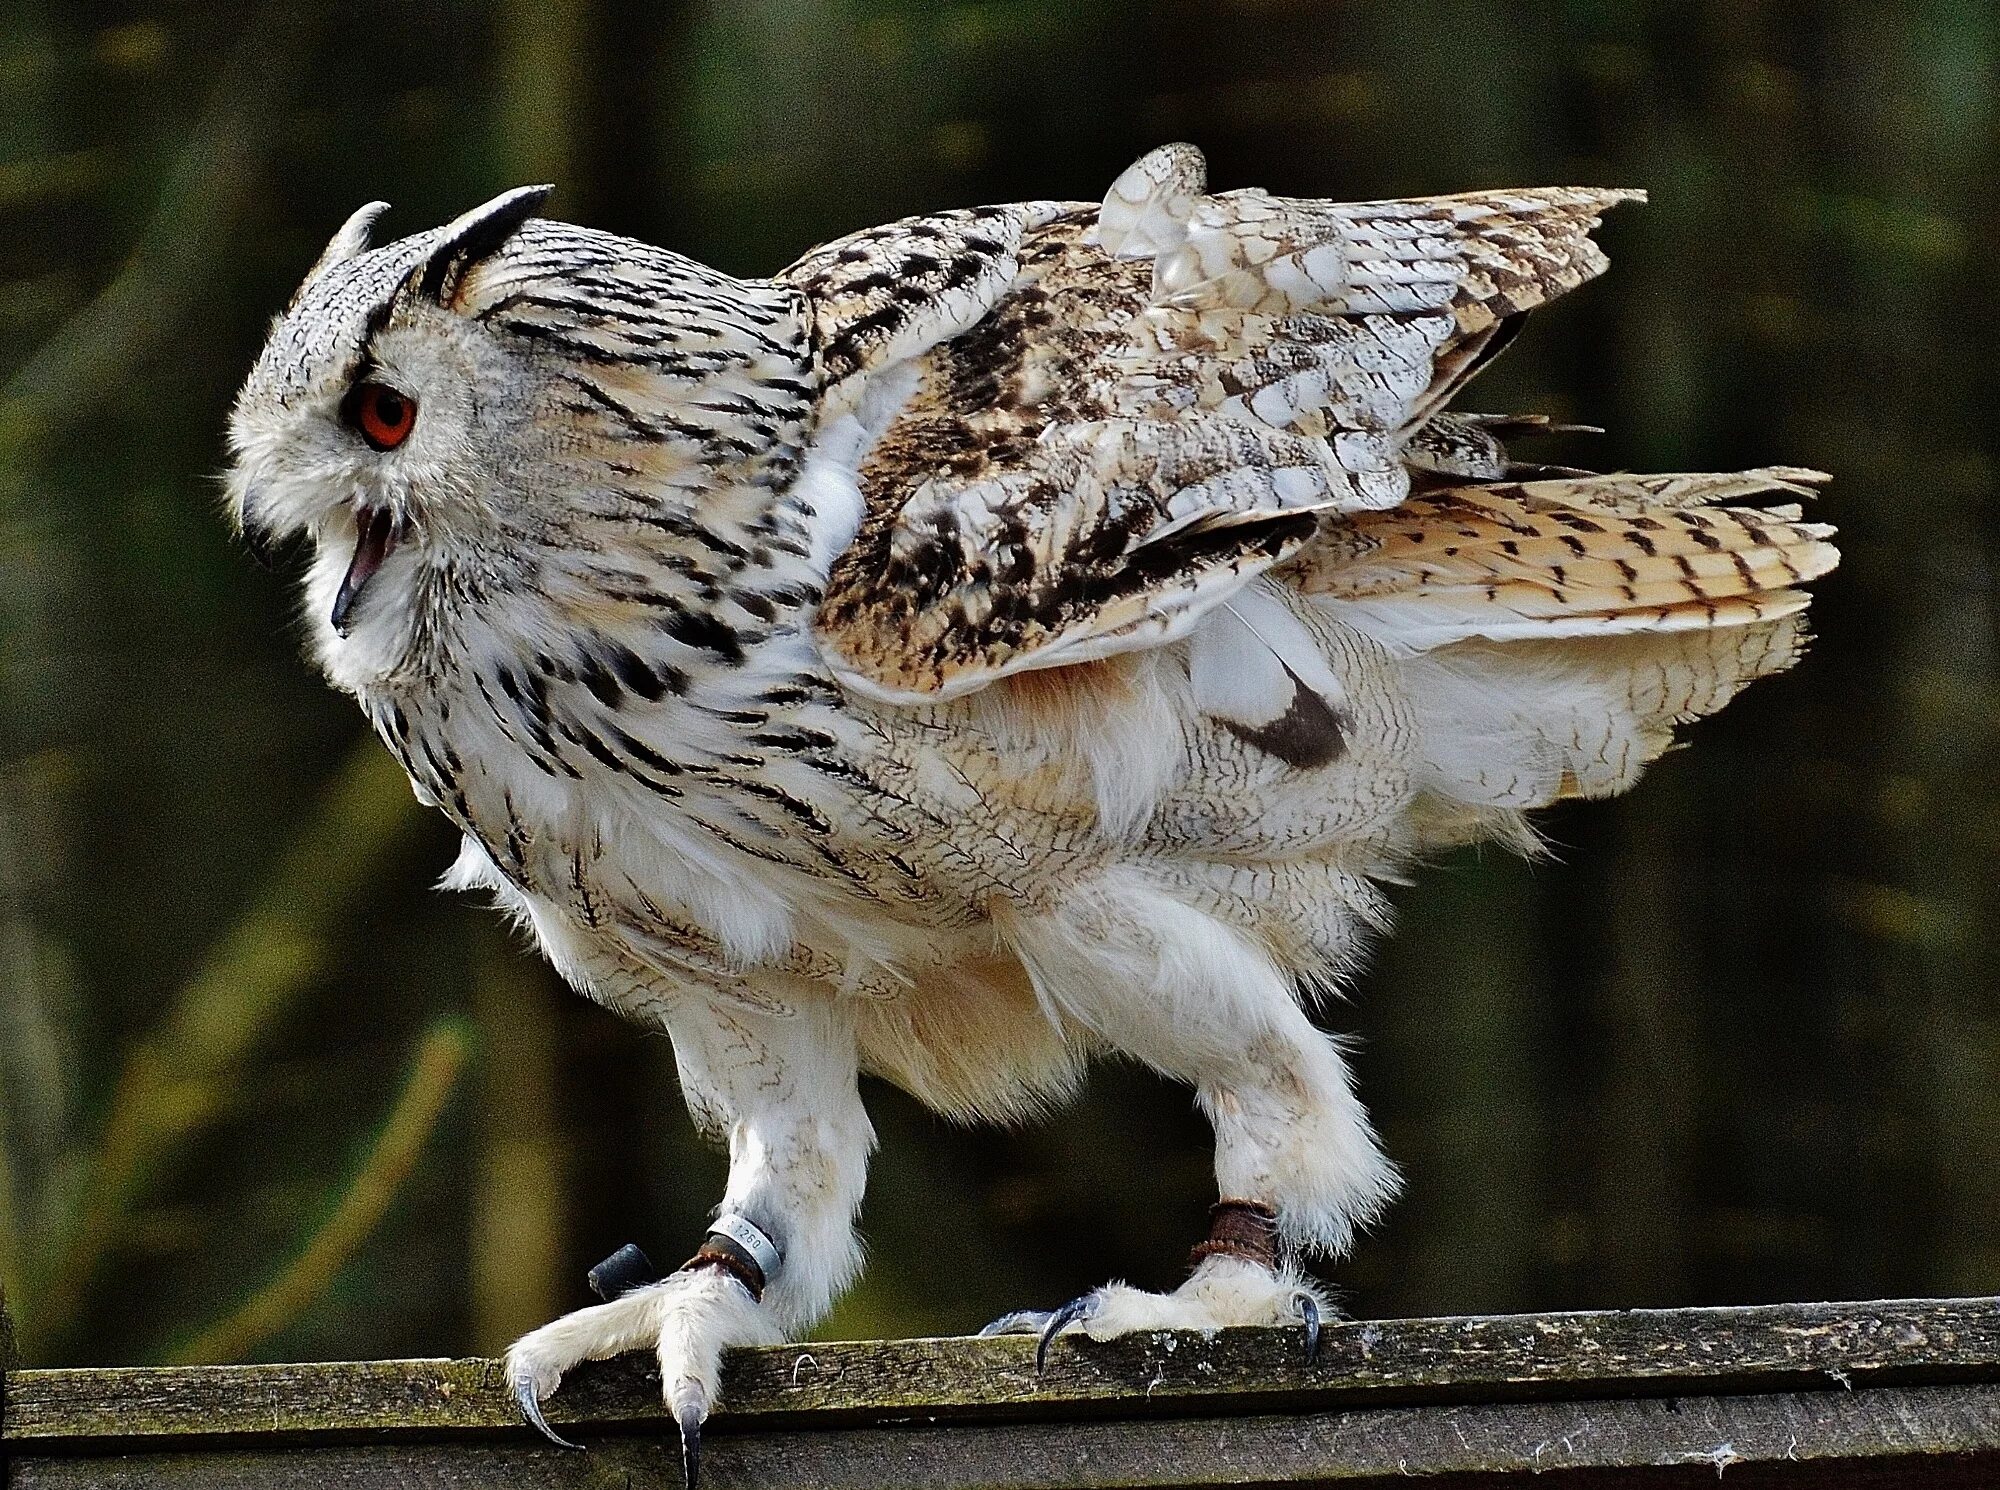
264	1094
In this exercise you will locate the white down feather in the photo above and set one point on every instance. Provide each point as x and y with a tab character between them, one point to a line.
1519	724
1488	729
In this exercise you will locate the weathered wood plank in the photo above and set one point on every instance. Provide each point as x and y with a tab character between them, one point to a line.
1827	1395
1895	1436
8	1357
1659	1352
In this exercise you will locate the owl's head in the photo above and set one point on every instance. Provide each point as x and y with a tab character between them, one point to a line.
441	415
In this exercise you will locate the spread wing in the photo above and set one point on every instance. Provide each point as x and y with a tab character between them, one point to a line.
1116	417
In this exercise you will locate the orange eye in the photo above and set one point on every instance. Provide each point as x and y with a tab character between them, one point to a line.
384	416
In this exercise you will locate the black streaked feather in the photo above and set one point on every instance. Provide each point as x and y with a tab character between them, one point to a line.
440	275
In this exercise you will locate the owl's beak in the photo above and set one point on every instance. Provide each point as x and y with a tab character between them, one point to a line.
375	533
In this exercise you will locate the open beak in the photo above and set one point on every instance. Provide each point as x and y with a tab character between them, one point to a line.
375	533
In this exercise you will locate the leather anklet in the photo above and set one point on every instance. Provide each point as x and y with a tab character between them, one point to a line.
720	1252
742	1249
1246	1229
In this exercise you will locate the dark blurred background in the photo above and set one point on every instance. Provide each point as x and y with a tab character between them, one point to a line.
264	1094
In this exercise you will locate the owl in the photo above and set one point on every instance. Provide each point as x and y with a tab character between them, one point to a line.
1002	638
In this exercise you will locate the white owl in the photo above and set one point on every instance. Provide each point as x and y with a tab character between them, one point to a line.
1000	638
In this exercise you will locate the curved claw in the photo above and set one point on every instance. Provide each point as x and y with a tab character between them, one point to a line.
1068	1314
1020	1322
531	1409
689	1420
1309	1313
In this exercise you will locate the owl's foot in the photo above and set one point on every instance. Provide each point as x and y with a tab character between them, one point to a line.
1236	1279
1220	1293
687	1320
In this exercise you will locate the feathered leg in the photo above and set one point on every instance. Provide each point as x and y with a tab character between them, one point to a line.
782	1091
1296	1163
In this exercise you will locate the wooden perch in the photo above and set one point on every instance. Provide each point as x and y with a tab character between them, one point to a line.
1882	1394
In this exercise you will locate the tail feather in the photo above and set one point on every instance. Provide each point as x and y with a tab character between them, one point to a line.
1570	558
1551	635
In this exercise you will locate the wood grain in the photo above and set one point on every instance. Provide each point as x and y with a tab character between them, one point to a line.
1928	1436
1824	1394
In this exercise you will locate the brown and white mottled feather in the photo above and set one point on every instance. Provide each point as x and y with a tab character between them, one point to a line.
1574	556
1151	406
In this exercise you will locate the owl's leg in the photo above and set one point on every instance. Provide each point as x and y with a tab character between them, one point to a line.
782	1091
1296	1163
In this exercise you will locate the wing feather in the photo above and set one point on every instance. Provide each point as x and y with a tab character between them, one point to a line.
1123	414
887	295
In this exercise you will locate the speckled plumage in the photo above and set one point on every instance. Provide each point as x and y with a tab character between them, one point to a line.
999	637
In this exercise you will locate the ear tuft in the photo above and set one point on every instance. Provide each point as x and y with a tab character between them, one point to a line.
351	239
476	235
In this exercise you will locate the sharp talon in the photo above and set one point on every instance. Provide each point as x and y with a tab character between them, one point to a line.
624	1270
1309	1312
531	1409
1020	1322
690	1424
1068	1314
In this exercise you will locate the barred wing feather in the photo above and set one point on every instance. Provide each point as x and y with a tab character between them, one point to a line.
1122	415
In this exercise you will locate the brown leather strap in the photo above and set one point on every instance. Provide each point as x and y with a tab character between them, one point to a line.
720	1252
1239	1228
